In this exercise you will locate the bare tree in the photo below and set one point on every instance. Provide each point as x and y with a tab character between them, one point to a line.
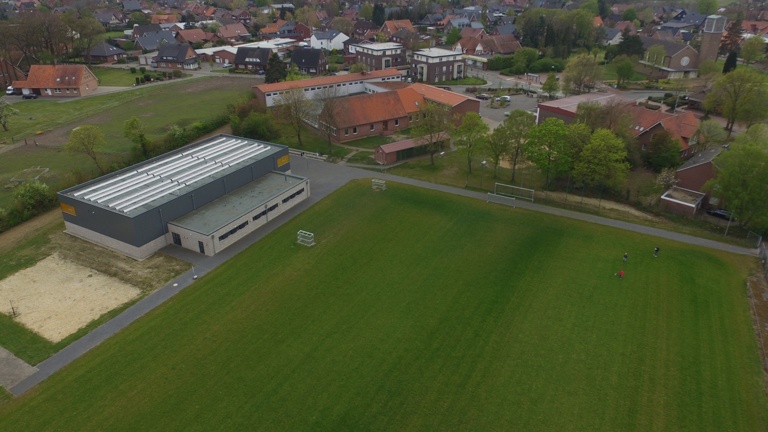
294	108
330	106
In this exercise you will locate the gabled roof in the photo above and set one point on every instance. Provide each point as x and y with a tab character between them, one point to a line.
236	30
671	47
104	49
682	126
307	57
701	158
53	76
506	29
153	40
369	108
472	32
501	44
393	26
141	30
174	52
439	95
193	35
255	56
326	35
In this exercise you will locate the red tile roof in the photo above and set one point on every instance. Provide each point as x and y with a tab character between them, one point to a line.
410	143
370	108
319	81
53	76
435	94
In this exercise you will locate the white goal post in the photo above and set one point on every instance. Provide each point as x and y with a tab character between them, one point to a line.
305	237
513	191
377	184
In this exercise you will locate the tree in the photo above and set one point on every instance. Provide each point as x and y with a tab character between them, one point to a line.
293	108
344	25
629	15
308	16
357	68
470	135
453	36
89	31
256	125
708	134
135	131
516	129
662	152
706	7
551	86
379	14
741	181
433	120
294	74
733	35
656	55
87	139
730	62
625	69
275	69
709	71
331	106
630	45
547	148
740	96
32	197
6	111
602	161
753	49
366	11
581	74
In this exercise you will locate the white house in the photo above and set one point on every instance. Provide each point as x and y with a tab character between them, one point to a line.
328	40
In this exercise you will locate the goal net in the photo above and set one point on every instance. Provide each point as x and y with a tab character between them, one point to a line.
377	184
513	191
306	238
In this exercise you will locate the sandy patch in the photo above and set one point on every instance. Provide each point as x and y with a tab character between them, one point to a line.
56	297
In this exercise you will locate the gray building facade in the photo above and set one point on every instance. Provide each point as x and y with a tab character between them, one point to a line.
131	210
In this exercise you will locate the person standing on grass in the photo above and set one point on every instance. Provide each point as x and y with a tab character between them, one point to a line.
626	256
655	251
621	274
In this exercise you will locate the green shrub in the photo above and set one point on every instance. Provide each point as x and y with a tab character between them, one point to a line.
142	69
138	80
176	73
133	69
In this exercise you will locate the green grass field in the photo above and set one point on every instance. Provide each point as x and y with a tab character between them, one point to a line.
418	310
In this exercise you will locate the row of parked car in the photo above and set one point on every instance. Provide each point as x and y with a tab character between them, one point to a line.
9	91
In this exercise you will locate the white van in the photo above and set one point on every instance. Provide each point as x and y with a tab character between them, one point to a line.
9	90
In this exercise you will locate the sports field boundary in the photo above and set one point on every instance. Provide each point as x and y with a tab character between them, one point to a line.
325	178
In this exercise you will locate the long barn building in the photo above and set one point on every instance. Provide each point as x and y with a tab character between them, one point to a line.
203	197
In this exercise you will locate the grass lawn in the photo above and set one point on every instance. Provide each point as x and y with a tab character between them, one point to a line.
465	81
157	106
609	74
113	77
469	316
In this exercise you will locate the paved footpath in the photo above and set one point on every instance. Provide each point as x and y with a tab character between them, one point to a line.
325	178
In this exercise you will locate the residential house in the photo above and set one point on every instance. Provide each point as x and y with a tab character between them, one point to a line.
141	30
252	59
106	53
363	27
383	55
310	61
152	41
612	36
456	23
176	56
58	81
328	40
242	16
218	55
164	19
109	19
500	44
699	169
390	27
131	6
193	36
434	65
233	33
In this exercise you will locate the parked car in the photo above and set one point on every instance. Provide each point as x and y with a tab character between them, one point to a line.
719	213
227	65
504	99
261	72
9	90
29	96
483	96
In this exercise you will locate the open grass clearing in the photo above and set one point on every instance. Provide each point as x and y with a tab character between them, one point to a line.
417	310
115	77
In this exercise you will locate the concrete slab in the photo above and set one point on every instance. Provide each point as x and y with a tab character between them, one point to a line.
13	370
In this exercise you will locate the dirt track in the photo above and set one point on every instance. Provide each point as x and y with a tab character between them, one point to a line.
13	236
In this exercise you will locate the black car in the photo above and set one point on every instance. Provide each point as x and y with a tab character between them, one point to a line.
483	96
29	96
719	213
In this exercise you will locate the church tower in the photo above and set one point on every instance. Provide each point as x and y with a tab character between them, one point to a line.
711	35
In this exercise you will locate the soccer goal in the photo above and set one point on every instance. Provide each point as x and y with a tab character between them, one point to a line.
513	191
377	184
305	237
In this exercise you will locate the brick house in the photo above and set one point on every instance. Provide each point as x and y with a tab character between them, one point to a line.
433	65
58	81
252	59
176	56
309	60
379	56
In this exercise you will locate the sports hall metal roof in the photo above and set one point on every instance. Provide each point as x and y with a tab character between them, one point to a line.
143	186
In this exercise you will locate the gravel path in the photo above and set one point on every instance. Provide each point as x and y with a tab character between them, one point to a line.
325	179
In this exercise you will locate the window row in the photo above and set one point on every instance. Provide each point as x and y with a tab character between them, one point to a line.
233	230
293	195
